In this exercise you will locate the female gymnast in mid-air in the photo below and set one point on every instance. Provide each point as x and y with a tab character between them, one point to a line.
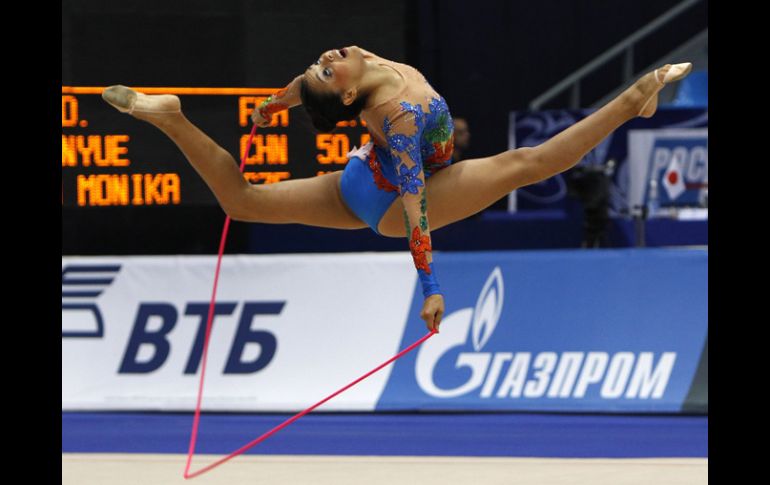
390	185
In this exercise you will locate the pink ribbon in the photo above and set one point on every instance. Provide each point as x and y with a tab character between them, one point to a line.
196	419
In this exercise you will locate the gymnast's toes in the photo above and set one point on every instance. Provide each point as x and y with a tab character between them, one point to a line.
121	97
651	84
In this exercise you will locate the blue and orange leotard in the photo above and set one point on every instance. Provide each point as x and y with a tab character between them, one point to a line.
413	137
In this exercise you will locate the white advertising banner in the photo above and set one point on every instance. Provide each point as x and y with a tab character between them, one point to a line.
288	330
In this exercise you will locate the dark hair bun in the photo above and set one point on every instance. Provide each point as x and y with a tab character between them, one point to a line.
320	122
327	109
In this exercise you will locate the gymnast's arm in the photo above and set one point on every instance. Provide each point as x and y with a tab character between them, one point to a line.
285	98
411	178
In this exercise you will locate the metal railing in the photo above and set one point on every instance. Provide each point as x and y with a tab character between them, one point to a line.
679	55
625	47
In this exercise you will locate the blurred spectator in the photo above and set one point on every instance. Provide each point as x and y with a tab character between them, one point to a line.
462	139
591	185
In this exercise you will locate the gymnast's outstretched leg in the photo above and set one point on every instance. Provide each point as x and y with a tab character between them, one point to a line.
469	186
314	201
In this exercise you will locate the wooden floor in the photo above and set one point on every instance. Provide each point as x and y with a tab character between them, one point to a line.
166	469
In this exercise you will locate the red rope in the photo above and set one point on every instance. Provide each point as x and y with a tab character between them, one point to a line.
196	419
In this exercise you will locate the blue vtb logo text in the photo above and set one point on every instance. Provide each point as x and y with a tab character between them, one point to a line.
157	337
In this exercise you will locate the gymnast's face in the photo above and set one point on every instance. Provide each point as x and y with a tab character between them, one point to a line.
337	71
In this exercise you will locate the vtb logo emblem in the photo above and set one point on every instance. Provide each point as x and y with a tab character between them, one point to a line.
81	285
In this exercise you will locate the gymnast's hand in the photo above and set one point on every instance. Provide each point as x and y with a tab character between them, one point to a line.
433	311
257	119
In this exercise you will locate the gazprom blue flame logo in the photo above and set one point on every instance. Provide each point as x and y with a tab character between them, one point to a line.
488	308
478	324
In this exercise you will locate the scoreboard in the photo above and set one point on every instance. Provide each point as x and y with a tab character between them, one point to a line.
111	159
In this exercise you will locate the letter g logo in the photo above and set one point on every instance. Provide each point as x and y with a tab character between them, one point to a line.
455	331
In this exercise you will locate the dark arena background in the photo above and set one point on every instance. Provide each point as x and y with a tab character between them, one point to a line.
574	345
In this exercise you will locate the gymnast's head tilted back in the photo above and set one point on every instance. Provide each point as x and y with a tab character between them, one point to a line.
330	88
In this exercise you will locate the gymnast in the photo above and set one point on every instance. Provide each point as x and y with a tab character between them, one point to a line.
406	174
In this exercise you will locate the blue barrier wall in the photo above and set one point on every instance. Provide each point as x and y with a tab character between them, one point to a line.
597	331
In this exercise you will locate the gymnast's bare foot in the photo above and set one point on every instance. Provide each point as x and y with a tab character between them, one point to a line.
643	95
155	109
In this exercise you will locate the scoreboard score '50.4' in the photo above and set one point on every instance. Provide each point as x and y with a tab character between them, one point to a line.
112	159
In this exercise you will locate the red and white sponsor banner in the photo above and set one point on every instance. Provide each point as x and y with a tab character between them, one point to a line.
677	159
